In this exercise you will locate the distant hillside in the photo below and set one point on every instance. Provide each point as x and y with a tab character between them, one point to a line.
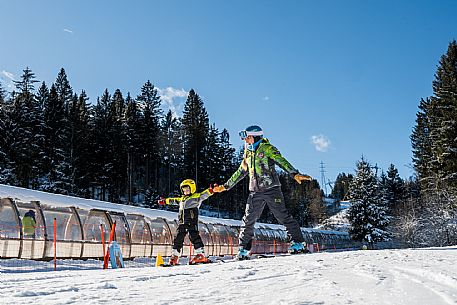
339	221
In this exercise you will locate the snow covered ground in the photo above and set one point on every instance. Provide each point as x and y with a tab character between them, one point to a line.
419	276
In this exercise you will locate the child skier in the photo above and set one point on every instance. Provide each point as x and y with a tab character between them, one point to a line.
189	204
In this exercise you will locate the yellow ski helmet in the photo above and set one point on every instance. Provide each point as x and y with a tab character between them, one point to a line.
190	183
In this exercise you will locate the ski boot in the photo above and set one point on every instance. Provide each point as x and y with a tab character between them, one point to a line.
174	259
199	258
243	254
296	247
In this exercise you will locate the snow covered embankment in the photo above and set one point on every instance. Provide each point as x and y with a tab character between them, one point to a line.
424	276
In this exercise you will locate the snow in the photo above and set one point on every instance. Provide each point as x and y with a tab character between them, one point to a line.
409	276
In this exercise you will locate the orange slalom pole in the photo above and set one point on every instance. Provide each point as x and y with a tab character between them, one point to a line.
55	244
231	245
190	251
274	246
111	237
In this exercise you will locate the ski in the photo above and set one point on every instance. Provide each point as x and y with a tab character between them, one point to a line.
215	260
263	255
201	263
259	256
188	264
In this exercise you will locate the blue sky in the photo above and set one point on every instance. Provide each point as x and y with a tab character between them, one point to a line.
327	80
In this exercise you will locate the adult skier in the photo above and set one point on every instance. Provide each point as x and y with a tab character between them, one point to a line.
189	204
259	160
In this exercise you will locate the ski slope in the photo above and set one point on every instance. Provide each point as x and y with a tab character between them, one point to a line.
420	276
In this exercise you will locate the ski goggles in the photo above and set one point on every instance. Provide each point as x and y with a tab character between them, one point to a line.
244	134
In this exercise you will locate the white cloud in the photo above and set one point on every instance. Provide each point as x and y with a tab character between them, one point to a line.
266	98
7	79
68	31
321	142
173	98
8	74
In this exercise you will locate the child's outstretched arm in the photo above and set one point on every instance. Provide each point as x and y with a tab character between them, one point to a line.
206	194
196	200
170	201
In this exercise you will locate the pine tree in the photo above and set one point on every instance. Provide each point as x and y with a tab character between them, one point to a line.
227	165
392	189
26	85
42	98
103	123
131	135
211	170
341	186
316	206
433	137
7	165
42	95
212	155
422	144
227	156
367	214
63	89
56	145
435	153
111	151
25	124
80	143
150	102
172	153
119	149
196	129
56	164
445	93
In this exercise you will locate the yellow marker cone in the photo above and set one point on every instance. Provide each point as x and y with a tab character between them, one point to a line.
159	261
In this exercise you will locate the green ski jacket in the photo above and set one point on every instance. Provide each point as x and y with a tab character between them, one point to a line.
260	166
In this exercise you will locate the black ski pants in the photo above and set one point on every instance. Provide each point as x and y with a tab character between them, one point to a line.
274	198
188	222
